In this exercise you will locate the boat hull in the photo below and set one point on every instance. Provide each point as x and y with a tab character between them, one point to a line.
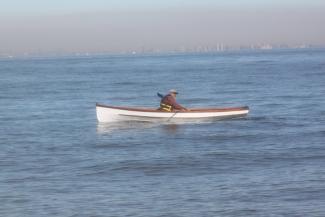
114	114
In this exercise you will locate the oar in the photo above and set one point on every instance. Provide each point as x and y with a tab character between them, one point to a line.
160	95
172	116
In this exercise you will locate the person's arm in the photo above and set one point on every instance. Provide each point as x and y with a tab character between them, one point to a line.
175	105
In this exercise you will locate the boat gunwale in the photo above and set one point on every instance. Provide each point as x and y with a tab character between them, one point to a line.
195	110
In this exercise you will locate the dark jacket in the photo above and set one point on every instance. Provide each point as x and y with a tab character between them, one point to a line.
169	100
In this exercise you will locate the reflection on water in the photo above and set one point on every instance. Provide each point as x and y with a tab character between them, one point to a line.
171	128
105	128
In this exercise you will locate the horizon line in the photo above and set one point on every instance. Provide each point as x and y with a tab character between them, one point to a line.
145	53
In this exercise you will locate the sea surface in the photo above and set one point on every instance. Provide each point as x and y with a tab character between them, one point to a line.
56	160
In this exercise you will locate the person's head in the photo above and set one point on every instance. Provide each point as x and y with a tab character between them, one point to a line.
173	92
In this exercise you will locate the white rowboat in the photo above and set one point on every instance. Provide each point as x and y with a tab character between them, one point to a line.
107	113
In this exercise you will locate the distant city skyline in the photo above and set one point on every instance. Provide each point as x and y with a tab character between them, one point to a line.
98	26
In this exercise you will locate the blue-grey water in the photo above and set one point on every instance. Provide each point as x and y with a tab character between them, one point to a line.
56	160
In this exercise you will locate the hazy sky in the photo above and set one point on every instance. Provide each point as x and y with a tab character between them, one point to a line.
126	25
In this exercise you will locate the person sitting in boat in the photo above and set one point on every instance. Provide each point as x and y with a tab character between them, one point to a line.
168	103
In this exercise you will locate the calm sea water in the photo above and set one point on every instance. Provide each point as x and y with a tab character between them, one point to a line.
56	160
